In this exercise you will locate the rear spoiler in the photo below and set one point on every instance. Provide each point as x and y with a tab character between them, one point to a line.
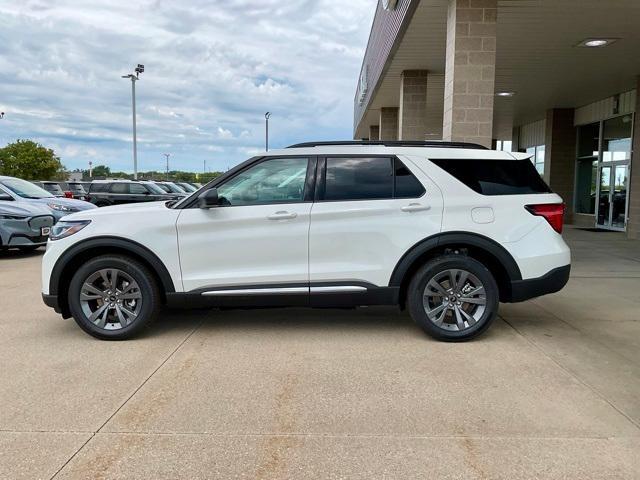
521	156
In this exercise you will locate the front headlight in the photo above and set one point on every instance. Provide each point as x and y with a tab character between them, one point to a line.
64	229
60	208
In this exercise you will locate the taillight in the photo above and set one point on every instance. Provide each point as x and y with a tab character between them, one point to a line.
68	194
552	212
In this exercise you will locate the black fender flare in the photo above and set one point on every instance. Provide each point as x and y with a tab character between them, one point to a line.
454	238
110	242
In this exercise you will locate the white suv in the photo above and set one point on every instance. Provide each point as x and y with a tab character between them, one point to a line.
447	230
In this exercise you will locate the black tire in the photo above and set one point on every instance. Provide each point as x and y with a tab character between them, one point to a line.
148	288
439	266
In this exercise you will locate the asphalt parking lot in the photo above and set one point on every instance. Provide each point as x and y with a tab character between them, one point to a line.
552	391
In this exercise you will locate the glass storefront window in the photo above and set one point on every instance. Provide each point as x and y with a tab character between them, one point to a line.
616	139
537	157
587	168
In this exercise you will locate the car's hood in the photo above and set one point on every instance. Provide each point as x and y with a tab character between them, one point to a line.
78	205
118	210
28	209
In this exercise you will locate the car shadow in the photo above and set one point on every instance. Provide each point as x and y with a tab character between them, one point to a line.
279	320
15	253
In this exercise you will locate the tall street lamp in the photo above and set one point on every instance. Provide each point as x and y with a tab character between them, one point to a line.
266	136
167	155
134	78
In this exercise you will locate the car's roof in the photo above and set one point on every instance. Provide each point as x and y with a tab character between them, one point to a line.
417	151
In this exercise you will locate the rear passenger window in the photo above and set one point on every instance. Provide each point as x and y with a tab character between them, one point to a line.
496	177
98	187
119	188
359	178
407	185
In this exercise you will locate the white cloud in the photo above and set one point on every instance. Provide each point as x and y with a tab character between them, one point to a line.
213	67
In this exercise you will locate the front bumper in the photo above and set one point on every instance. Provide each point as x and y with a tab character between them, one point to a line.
551	282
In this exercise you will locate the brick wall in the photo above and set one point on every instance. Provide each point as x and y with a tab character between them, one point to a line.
389	123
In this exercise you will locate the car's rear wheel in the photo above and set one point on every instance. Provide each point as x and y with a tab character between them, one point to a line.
453	298
113	297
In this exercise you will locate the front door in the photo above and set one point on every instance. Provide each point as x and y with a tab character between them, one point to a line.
257	238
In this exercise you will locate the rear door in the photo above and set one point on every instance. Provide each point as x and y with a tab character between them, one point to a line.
369	211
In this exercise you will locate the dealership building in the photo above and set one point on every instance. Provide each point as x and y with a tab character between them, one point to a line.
555	78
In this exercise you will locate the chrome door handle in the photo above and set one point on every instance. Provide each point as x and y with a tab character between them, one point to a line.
415	207
282	215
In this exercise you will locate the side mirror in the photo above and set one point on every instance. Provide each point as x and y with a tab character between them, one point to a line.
209	199
6	197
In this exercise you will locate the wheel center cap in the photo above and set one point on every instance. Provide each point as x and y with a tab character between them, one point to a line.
453	299
112	298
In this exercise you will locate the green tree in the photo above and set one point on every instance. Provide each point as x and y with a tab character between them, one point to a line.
101	171
31	161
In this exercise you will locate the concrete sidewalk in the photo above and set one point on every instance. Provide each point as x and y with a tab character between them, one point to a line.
551	392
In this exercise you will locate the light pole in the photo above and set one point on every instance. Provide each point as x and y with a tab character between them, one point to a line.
167	155
90	169
134	78
266	136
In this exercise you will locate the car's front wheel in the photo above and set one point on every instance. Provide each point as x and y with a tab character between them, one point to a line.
453	298
113	297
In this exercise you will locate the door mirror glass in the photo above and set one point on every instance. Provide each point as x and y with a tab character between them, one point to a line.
209	199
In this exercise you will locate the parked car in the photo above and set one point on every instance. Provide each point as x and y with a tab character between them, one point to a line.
445	230
187	187
22	191
23	225
170	187
105	193
77	190
53	188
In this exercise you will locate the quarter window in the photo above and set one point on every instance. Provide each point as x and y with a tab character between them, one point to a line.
407	185
277	180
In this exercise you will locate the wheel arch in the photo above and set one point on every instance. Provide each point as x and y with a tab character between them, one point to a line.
71	259
493	255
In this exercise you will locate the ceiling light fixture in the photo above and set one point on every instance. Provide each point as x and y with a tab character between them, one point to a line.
596	42
505	94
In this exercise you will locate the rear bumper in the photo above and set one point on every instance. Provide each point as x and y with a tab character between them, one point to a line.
551	282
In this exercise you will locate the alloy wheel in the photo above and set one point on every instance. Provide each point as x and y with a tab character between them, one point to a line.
111	299
454	299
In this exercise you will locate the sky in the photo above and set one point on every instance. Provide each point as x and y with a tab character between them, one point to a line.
212	69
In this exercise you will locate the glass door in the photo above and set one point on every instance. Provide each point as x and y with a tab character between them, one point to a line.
613	173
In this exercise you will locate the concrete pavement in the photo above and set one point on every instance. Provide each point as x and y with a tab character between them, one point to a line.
552	391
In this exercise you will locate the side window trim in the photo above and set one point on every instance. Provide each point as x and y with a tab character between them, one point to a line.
321	179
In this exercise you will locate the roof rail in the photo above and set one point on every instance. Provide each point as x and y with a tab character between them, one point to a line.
392	143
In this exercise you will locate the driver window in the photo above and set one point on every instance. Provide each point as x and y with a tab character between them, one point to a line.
278	180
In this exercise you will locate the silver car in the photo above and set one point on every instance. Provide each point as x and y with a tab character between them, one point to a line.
21	192
23	225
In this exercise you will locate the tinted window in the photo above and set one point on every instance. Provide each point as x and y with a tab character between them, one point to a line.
407	185
358	179
98	187
137	189
53	188
119	188
278	180
496	177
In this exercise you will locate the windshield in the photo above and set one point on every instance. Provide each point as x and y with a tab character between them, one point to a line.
188	188
165	188
154	188
173	188
25	189
53	187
